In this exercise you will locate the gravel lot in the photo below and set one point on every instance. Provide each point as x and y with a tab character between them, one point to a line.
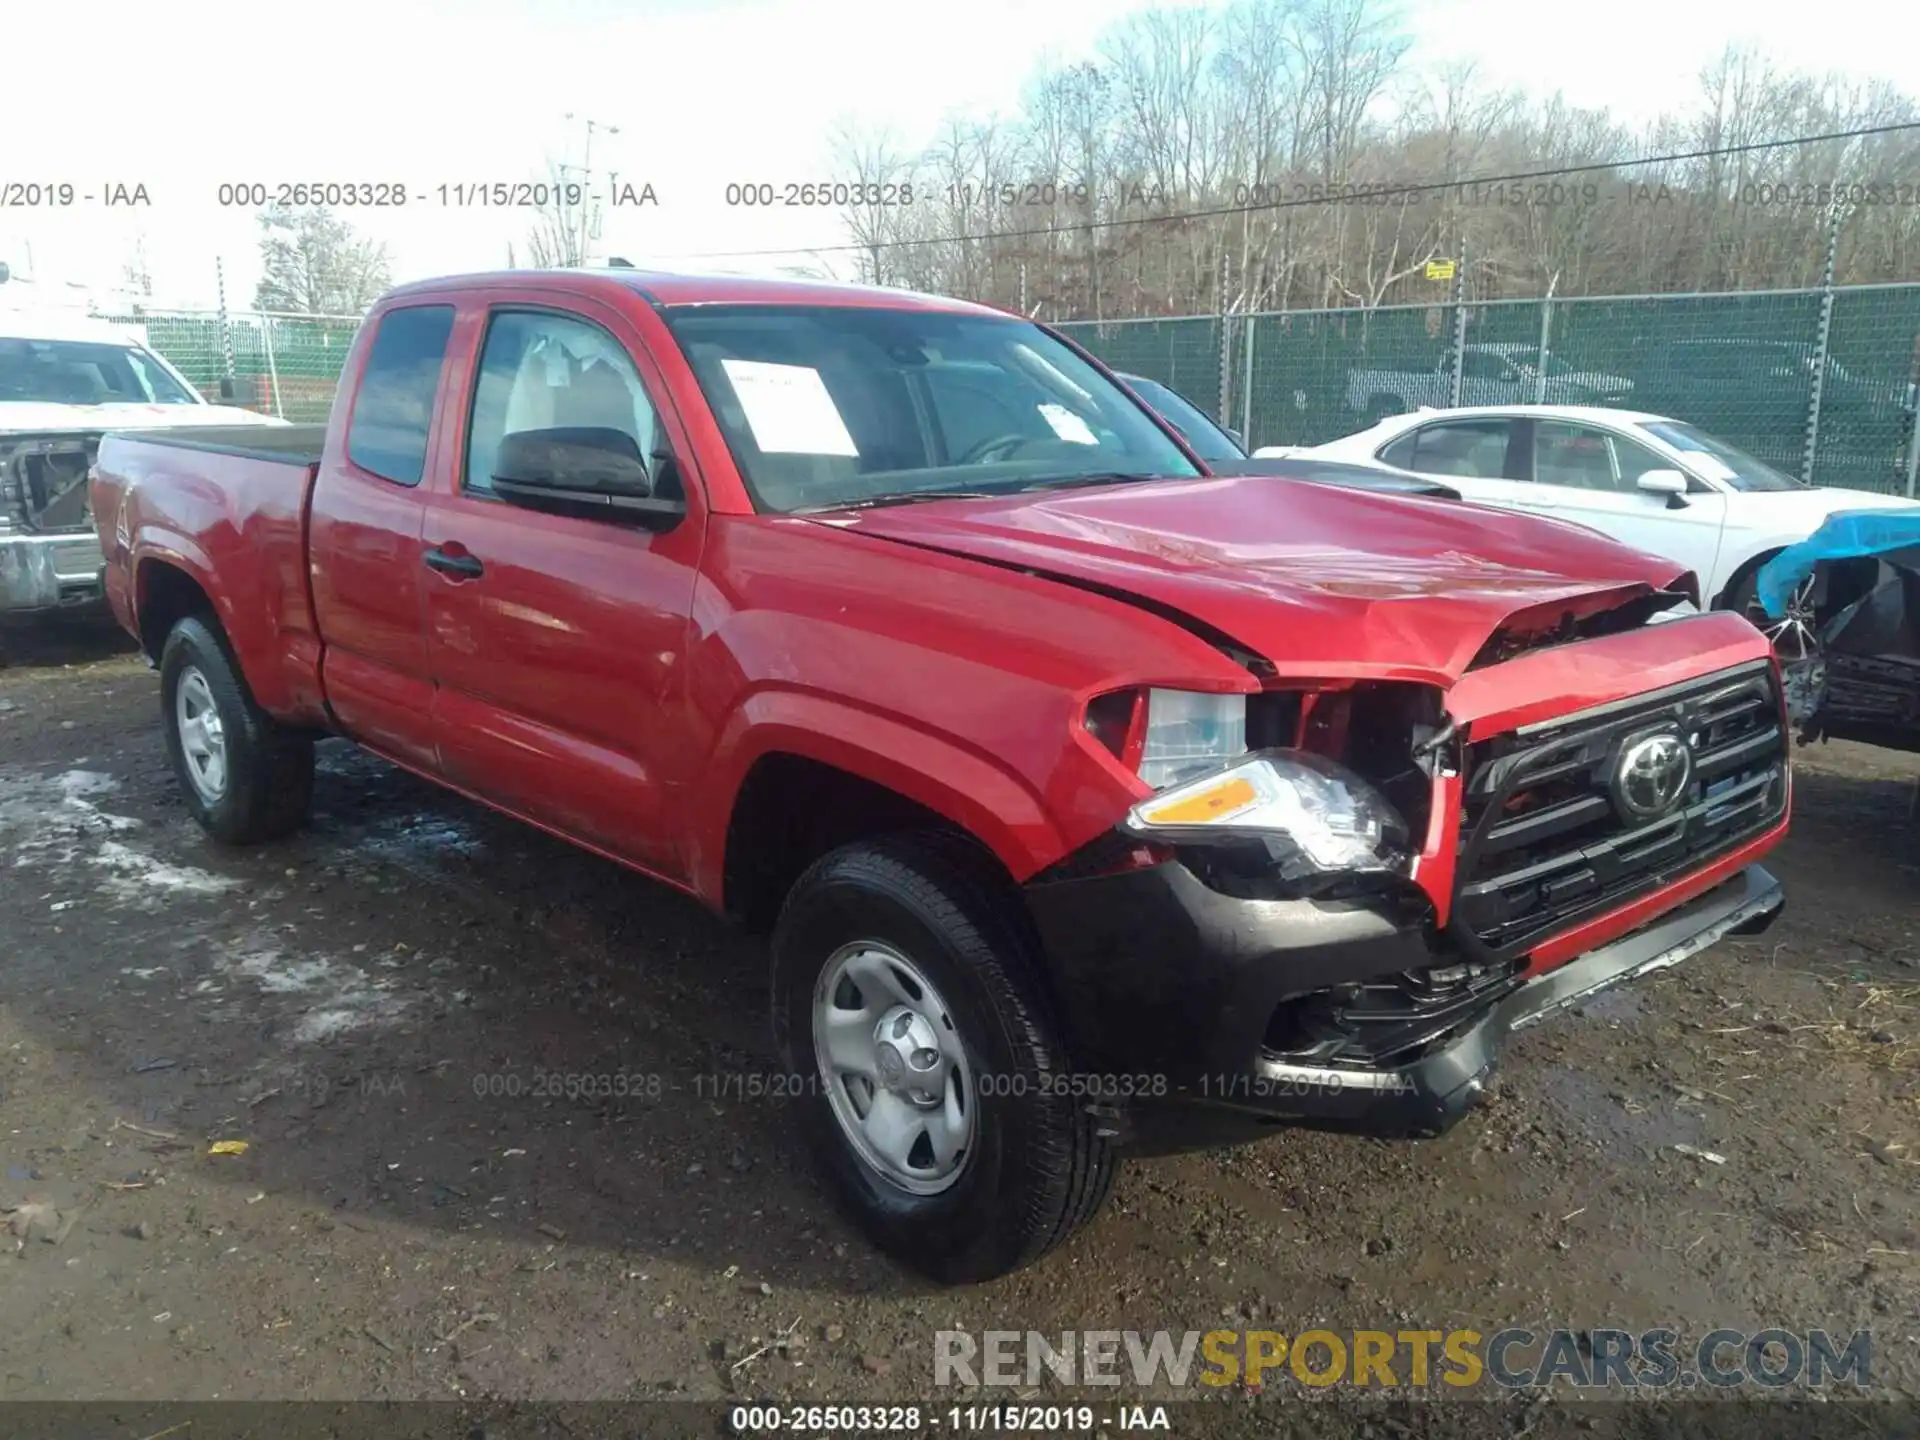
374	1009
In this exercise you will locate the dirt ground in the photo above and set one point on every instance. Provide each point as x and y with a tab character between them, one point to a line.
374	1008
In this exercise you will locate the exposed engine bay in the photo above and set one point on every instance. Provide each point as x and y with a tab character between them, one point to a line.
43	481
1843	611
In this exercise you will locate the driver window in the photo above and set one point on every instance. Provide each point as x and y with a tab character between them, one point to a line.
542	371
1576	455
1632	461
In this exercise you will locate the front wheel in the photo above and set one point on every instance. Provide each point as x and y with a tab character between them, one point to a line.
906	996
1795	637
245	778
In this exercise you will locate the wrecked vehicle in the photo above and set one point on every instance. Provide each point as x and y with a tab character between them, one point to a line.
65	380
1843	610
1096	805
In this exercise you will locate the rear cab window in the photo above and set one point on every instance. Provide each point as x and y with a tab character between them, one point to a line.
1476	449
393	408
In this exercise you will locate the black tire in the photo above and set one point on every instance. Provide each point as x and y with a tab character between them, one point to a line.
1037	1169
1740	592
269	771
1380	407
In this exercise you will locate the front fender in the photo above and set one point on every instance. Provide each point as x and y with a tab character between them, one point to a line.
970	789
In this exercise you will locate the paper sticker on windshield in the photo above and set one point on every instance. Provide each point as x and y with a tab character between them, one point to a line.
1067	425
788	409
1712	466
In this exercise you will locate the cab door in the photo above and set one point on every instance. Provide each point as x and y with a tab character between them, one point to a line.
364	533
557	644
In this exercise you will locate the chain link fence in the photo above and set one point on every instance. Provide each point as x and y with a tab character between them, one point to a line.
1819	383
285	365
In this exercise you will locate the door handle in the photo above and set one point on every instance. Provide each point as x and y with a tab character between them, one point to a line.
461	566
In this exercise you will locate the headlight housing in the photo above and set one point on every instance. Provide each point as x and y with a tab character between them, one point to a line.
1189	732
1313	816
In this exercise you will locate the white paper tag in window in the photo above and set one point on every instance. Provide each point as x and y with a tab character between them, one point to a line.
1712	466
788	409
1067	425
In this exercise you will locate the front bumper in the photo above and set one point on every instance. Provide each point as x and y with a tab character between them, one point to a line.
56	571
1173	987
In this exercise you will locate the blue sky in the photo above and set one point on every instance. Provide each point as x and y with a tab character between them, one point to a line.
703	91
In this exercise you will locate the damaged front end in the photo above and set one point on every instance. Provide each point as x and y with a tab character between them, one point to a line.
1843	611
1338	926
50	556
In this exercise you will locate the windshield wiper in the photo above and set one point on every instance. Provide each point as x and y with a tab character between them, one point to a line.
1078	482
905	497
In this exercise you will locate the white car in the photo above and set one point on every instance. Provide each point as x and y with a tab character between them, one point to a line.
1657	484
65	380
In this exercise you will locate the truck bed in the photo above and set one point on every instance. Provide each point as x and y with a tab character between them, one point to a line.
290	444
220	510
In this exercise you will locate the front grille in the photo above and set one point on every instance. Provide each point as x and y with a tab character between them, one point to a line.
1544	841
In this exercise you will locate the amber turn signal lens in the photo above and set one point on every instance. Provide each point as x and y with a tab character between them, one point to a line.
1233	793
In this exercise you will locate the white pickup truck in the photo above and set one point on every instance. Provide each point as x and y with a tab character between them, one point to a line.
1491	373
66	380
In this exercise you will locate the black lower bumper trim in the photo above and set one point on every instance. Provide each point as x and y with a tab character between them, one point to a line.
1227	962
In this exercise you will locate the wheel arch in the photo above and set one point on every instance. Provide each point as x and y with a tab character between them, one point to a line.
795	773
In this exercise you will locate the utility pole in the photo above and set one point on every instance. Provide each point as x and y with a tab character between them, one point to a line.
588	210
1823	334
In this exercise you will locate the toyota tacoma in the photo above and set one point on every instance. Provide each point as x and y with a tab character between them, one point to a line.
1094	804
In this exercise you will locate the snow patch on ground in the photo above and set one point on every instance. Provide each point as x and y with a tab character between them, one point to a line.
49	819
57	821
338	995
136	878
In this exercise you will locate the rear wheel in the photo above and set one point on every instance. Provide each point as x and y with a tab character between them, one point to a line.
245	777
906	998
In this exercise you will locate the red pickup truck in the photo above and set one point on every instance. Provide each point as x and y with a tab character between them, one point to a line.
1095	803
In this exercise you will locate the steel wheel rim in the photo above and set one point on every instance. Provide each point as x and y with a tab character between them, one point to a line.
893	1067
203	739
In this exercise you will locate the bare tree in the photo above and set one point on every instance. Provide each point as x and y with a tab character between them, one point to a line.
1292	149
314	263
558	239
871	161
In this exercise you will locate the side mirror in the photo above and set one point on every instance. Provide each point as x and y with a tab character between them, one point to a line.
1669	483
585	470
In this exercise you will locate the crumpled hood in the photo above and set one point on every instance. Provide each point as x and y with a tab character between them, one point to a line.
1315	579
35	417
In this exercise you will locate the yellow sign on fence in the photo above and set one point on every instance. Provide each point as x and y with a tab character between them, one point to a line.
1440	269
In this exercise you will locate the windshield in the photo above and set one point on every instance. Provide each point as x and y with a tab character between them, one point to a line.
1720	461
829	406
1208	440
73	372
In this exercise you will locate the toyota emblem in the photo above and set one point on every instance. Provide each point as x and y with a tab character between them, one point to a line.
1652	775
